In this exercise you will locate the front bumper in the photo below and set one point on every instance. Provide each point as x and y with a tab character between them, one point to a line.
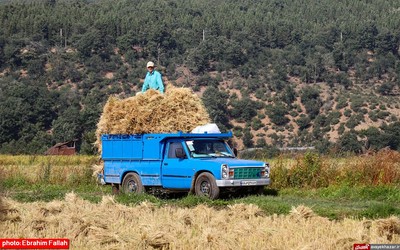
243	183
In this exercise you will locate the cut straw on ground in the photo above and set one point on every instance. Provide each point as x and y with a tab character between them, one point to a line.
110	225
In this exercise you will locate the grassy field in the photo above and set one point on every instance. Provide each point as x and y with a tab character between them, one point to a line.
334	188
342	201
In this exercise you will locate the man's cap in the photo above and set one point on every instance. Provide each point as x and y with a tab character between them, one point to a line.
150	64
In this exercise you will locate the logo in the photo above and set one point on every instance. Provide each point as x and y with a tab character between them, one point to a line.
361	247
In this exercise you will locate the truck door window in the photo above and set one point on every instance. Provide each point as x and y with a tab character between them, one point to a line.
172	147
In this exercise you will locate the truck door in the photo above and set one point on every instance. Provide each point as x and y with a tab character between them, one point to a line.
176	172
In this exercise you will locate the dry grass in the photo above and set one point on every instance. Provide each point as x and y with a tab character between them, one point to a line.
97	169
315	171
179	109
109	225
382	167
34	169
58	160
301	212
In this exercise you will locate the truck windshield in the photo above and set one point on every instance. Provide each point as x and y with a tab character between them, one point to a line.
208	148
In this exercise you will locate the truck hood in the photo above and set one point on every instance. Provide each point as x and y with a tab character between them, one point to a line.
232	162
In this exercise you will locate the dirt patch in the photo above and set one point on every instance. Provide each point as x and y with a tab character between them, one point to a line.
109	75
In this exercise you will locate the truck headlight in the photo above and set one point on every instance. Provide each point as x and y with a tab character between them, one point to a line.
225	171
265	170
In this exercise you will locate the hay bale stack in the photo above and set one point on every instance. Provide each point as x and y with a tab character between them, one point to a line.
179	109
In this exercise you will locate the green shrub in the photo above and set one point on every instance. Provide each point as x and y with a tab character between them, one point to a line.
238	131
260	93
244	109
363	111
334	117
373	105
386	88
277	114
309	171
310	97
293	113
373	115
347	112
256	124
341	128
382	114
356	104
247	138
279	174
348	142
260	142
303	121
341	102
353	122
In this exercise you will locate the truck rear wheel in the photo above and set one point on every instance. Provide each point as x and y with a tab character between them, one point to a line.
132	184
205	185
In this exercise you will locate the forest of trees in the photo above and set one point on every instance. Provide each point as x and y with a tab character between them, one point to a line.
54	55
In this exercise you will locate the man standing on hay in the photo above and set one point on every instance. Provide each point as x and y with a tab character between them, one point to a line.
153	79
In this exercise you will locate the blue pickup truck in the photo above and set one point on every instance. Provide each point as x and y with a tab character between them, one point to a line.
201	163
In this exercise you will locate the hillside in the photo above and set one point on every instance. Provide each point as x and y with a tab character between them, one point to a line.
278	74
355	108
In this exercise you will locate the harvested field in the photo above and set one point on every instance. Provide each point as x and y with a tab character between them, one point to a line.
179	109
110	225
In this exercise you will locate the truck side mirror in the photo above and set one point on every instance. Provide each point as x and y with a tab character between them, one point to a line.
179	153
235	151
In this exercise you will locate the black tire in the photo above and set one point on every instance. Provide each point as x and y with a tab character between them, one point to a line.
132	184
205	185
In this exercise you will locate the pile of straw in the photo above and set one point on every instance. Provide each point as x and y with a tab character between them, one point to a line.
179	109
111	225
301	212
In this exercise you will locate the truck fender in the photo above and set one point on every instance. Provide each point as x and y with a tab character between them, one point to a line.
127	172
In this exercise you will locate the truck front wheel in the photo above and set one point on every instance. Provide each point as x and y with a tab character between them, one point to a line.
132	184
205	185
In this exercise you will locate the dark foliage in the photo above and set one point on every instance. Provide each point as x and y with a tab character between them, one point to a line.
60	60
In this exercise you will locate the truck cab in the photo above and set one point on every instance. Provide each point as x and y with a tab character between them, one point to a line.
201	163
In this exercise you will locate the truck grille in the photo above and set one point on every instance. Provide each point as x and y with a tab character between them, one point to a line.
247	173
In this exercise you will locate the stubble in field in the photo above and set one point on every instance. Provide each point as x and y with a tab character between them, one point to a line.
114	226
